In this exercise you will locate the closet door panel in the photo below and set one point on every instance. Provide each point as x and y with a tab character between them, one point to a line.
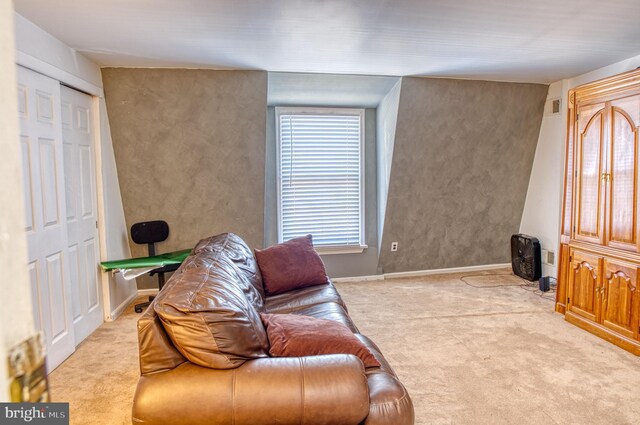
82	233
46	229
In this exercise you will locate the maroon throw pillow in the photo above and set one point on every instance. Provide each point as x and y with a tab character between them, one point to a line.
290	265
291	335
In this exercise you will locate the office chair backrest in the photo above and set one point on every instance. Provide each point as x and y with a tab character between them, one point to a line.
150	232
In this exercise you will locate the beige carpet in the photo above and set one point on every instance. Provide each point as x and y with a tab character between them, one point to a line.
476	353
99	379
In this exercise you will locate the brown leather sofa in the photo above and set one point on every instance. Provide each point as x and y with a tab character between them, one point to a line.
204	353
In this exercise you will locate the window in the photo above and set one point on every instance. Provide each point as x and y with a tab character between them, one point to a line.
321	177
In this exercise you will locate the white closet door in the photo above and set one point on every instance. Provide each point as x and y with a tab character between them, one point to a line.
81	211
46	228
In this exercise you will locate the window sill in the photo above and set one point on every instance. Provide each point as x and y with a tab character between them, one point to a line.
333	250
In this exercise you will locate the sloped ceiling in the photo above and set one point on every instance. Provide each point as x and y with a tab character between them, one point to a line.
518	40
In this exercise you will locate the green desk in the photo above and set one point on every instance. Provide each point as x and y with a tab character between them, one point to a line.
175	257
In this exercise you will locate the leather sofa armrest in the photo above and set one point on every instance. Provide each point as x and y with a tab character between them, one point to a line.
330	389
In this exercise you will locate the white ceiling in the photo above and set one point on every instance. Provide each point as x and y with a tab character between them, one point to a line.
361	91
511	40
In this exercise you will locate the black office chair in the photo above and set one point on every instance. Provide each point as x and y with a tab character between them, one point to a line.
150	233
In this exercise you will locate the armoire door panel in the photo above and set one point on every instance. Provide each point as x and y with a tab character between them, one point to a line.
569	168
584	293
631	107
620	298
622	179
589	208
563	278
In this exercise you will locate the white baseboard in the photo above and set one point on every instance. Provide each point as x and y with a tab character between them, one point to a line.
358	278
123	305
121	308
445	271
421	273
147	292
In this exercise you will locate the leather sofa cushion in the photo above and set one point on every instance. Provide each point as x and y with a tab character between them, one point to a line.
389	402
235	250
373	348
304	297
328	311
209	318
317	390
156	349
298	336
290	265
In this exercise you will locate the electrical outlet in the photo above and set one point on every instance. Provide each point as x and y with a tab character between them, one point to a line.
551	258
548	257
394	246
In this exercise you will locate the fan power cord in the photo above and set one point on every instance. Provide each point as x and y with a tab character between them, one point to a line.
526	285
548	295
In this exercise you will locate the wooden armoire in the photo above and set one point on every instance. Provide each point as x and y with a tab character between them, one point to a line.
600	240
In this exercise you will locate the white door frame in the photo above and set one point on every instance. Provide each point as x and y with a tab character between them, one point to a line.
96	93
102	230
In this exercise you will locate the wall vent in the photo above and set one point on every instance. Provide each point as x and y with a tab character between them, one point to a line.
552	106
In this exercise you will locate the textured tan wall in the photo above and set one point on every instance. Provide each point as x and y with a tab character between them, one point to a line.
461	163
189	147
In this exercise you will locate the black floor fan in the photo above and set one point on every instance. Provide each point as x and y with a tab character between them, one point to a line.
526	257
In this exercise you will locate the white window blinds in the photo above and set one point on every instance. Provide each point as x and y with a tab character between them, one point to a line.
321	175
